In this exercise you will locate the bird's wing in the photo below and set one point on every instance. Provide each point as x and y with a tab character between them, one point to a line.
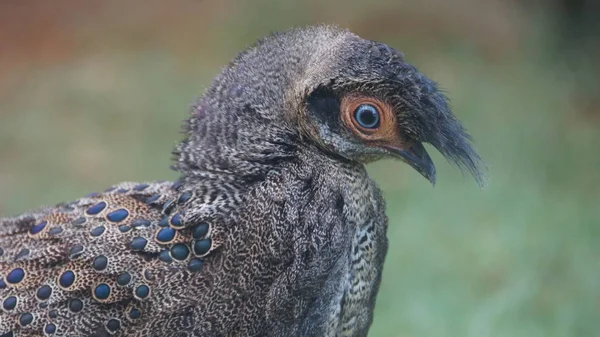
137	261
75	268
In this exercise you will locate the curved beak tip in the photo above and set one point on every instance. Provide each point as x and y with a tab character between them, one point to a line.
432	177
417	157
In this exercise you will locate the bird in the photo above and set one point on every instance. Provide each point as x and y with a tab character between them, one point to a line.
273	227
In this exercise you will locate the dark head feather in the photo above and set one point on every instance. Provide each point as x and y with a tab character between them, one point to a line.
257	111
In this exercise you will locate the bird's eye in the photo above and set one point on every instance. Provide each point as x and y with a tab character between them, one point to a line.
367	116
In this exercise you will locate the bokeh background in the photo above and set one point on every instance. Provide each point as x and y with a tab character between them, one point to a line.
93	92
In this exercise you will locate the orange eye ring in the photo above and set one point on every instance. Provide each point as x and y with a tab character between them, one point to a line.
384	130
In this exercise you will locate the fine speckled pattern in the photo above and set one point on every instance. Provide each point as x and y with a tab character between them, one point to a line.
273	229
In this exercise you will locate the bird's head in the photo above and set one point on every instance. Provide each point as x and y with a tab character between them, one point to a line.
351	98
361	100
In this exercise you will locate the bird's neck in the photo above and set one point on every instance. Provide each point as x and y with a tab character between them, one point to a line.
230	147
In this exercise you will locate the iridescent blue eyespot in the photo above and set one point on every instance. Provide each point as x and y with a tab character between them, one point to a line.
44	292
97	231
165	256
50	329
26	319
152	198
184	198
15	276
142	291
66	279
102	291
164	222
124	229
75	305
97	208
201	247
100	262
134	313
176	221
140	187
200	230
367	116
123	279
180	251
55	230
113	325
165	235
9	303
78	221
39	227
138	243
118	215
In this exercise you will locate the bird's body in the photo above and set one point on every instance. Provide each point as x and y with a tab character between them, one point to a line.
274	228
262	253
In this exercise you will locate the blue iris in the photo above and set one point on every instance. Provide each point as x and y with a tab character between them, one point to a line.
367	116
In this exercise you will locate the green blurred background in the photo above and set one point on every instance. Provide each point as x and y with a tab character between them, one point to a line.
92	93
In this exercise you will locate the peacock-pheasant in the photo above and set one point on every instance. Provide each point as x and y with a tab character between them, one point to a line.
274	227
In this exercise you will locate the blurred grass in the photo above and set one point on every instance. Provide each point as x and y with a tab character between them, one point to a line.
519	258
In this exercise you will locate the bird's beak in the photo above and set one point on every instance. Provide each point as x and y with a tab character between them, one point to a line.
417	157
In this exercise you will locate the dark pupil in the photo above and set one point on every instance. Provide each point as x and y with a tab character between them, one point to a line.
367	116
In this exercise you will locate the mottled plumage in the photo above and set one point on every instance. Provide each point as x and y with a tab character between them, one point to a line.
274	228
